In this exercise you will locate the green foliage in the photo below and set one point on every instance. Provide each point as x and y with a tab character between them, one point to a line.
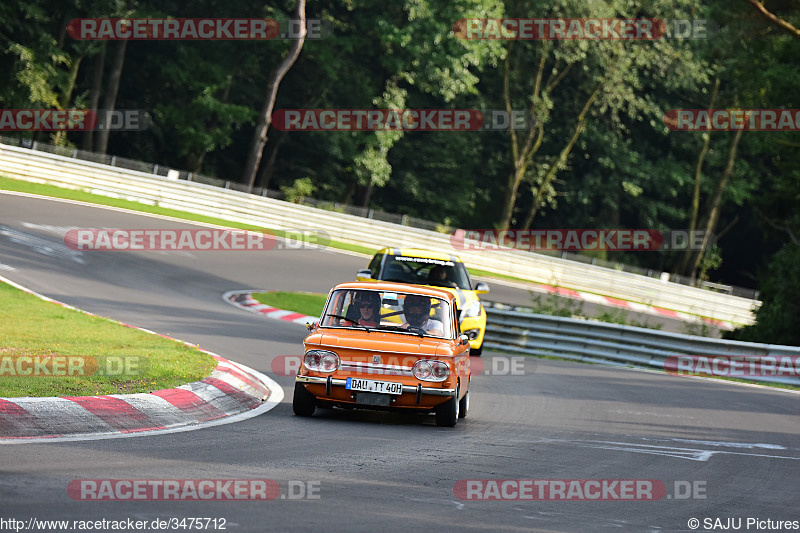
556	306
778	318
301	188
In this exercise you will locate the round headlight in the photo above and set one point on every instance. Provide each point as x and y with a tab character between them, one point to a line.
329	362
426	370
422	370
321	361
440	370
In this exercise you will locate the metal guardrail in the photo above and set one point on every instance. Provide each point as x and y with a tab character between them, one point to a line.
599	342
246	208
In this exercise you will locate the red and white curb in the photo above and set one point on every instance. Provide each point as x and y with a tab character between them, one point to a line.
243	299
231	393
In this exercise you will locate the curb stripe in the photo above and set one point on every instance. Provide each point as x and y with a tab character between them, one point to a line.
243	300
618	303
16	421
190	404
213	395
231	392
115	412
233	372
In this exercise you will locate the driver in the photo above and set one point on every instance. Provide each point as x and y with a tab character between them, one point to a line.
440	276
417	309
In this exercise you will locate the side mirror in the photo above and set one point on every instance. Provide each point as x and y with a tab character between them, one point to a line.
482	288
364	274
312	327
463	339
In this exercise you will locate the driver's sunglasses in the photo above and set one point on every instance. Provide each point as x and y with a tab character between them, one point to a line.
362	306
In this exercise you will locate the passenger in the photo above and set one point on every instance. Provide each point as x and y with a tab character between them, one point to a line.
417	309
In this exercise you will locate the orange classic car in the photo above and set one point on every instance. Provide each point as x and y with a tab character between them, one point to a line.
386	346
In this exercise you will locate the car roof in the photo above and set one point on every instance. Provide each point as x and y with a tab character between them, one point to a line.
419	252
397	287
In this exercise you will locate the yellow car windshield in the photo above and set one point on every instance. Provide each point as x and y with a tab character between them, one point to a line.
424	271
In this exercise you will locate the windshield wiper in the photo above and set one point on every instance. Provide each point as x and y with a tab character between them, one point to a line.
353	320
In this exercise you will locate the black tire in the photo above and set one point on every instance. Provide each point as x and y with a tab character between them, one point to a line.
303	403
476	351
463	406
447	413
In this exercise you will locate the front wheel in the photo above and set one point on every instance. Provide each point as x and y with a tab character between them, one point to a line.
463	406
447	413
476	351
304	403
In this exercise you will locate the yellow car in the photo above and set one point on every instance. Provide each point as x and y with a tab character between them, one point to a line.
436	269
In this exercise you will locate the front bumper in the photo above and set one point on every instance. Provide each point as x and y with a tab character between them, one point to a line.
330	382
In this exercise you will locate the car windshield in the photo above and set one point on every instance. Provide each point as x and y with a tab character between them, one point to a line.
412	314
423	271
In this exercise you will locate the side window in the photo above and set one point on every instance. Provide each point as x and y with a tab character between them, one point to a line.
375	265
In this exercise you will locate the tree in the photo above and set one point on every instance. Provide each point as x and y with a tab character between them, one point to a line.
265	116
593	78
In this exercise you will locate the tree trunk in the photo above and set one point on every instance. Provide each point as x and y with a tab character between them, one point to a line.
265	117
66	98
347	198
265	175
94	95
683	265
562	158
715	203
110	100
520	155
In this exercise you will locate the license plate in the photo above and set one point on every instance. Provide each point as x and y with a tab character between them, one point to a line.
369	385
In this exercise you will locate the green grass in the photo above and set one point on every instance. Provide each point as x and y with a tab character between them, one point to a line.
128	360
299	302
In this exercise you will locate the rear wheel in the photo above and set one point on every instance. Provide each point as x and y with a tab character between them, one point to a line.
447	413
304	403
